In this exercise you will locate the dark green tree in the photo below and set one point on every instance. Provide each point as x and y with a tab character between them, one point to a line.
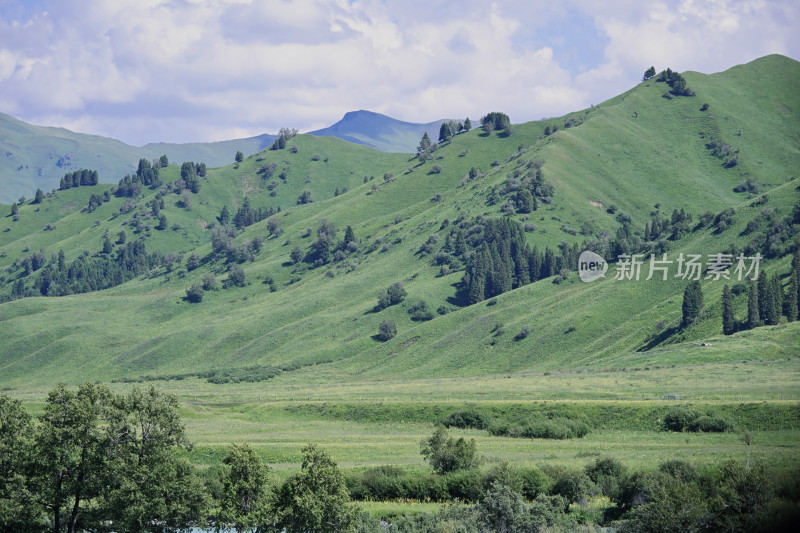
194	294
239	156
224	216
774	305
790	300
245	502
107	246
316	499
467	124
39	196
162	222
236	276
14	209
728	319
445	134
71	449
163	161
19	511
147	484
649	73
692	302
424	144
387	330
753	313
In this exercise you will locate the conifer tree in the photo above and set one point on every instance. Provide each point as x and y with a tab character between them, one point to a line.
753	313
775	300
39	196
764	297
728	319
692	302
424	144
791	297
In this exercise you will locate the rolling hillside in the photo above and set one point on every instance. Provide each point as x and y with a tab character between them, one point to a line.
628	160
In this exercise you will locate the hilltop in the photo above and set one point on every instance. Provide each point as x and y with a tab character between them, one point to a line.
379	131
602	176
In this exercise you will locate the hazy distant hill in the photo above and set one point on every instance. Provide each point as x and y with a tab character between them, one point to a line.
34	157
381	132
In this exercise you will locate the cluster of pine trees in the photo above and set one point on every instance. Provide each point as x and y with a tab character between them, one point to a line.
246	215
79	178
496	121
676	82
502	260
190	172
56	277
524	189
450	128
146	176
283	137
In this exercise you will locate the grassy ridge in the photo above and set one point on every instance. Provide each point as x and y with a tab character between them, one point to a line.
634	151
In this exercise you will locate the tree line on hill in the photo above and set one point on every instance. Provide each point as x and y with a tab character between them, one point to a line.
86	273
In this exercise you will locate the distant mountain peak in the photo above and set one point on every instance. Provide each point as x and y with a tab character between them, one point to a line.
379	131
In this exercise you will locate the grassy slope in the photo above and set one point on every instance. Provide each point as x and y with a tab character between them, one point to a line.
634	152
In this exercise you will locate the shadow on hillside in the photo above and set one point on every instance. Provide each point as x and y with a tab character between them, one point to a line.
459	299
659	338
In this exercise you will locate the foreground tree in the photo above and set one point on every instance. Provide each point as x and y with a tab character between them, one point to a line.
316	499
18	510
69	465
244	503
148	488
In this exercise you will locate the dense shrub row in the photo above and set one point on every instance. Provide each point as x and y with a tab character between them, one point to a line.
687	419
536	426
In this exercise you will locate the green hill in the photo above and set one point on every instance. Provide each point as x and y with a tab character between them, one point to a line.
613	168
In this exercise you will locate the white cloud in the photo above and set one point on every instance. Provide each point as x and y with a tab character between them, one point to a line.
164	70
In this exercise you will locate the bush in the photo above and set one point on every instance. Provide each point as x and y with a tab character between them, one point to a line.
674	505
607	473
194	294
468	418
709	424
448	454
687	419
574	486
387	330
678	419
678	468
540	428
534	482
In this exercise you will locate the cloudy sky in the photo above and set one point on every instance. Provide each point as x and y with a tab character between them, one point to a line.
202	70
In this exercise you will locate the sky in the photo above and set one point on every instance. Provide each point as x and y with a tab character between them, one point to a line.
207	70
